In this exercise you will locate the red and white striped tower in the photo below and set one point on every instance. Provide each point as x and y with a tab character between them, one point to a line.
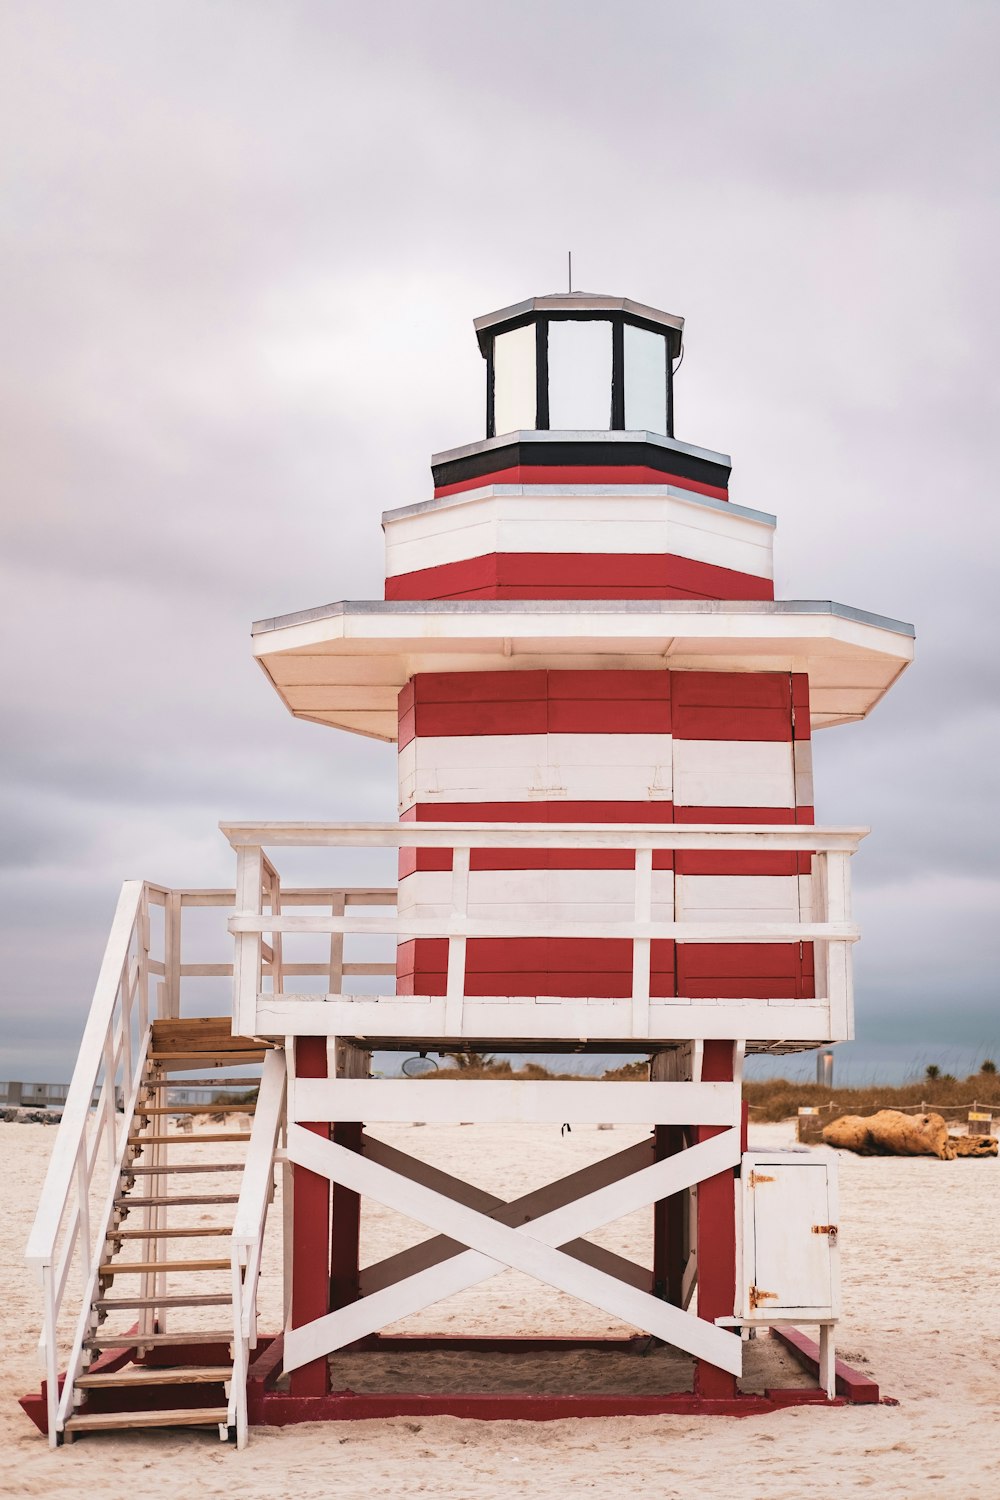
578	503
580	628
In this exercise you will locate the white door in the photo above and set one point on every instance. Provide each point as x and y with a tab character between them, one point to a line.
790	1236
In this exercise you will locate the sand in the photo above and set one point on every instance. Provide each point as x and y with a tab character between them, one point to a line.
921	1293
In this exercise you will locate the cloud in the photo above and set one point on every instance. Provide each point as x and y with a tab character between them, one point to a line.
241	248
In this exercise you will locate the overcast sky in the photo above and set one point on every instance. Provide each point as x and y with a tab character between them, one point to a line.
242	245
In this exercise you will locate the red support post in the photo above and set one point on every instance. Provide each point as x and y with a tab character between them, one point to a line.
345	1233
716	1234
668	1224
311	1233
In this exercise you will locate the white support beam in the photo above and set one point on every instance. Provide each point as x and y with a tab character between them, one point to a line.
517	1101
524	1019
247	956
529	1248
464	927
445	835
530	1206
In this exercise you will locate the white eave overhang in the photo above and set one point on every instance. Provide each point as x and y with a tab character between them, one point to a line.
344	664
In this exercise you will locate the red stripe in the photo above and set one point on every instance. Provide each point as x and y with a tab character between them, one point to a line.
754	706
578	575
603	716
800	705
582	474
559	702
685	862
603	966
732	705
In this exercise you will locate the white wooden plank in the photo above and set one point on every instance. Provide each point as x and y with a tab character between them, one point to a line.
641	947
56	1191
733	773
738	931
730	898
247	956
455	985
579	767
528	1249
559	1020
258	1165
441	1101
530	1206
445	835
640	519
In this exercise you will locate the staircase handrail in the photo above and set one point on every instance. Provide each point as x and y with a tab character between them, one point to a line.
72	1127
247	1240
116	1036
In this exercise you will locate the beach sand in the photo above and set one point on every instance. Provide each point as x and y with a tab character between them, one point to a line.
921	1288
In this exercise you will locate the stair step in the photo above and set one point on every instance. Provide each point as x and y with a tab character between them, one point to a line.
173	1061
195	1109
145	1267
159	1340
193	1167
134	1375
199	1299
201	1083
189	1140
114	1421
189	1201
185	1232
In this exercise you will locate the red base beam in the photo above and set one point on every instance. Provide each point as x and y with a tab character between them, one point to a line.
274	1409
859	1389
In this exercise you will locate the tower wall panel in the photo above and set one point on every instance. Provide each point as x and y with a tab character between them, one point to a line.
549	747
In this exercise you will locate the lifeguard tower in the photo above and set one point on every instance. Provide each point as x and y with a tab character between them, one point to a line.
607	844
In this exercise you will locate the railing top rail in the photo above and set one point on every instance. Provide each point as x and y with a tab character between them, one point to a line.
56	1190
544	835
362	895
255	1188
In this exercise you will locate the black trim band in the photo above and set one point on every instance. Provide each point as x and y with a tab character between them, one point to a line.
570	455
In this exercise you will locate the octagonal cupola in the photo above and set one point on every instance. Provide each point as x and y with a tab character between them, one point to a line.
578	362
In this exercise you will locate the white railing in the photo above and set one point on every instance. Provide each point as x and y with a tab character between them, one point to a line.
256	1193
74	1225
282	1013
68	1235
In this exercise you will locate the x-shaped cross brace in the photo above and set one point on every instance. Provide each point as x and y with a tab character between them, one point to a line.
531	1248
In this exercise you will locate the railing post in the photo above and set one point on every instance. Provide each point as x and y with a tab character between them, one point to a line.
642	946
172	953
142	959
271	892
337	907
246	959
838	959
455	991
51	1356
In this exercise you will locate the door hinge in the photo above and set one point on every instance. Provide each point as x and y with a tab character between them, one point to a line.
830	1229
757	1297
756	1177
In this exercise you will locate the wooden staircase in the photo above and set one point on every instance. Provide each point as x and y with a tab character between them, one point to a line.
162	1262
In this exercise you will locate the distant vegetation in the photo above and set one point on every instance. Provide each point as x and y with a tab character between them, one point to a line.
779	1098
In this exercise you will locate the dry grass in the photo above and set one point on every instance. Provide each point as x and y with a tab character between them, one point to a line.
776	1099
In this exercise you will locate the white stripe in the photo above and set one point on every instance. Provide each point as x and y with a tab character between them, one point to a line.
615	523
734	898
802	756
535	767
733	773
537	895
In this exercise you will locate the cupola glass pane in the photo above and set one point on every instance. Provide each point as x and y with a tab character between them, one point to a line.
645	380
579	376
514	390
